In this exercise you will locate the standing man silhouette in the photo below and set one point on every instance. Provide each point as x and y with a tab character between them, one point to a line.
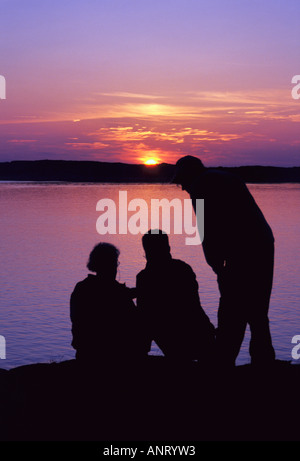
239	246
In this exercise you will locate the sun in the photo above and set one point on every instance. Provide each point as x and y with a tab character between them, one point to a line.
151	161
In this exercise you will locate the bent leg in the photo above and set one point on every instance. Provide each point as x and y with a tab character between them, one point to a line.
231	330
261	349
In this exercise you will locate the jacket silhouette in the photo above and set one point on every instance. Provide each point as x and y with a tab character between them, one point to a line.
104	317
167	296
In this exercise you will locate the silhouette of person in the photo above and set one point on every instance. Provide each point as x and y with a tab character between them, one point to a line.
104	317
239	246
167	296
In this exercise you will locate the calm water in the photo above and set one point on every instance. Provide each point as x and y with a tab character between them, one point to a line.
48	231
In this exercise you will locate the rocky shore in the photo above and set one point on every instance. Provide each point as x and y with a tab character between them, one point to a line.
153	400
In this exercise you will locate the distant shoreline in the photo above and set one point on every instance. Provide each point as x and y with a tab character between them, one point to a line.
106	172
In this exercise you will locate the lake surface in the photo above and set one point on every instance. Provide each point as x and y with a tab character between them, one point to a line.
48	230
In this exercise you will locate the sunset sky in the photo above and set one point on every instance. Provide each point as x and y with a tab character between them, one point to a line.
133	80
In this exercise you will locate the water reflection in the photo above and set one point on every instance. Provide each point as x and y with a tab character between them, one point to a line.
47	232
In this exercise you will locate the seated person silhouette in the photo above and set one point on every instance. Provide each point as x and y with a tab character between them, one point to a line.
103	315
167	295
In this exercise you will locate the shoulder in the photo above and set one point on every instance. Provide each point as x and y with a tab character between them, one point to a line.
218	184
124	294
122	289
222	176
85	284
89	280
141	275
120	286
179	263
182	266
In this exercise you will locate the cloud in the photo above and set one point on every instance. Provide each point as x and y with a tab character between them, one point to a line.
86	145
171	135
128	95
130	126
21	141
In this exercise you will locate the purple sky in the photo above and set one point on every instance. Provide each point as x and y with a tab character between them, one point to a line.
131	80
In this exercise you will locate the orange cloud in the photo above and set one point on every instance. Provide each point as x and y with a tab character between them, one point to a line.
86	145
132	126
22	141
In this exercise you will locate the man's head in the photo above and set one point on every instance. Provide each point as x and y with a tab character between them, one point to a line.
187	169
156	245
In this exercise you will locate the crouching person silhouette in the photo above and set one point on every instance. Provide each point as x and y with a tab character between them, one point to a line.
104	318
167	296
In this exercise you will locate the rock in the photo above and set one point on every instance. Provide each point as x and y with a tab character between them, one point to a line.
149	400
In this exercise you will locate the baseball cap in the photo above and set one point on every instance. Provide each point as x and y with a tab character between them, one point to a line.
186	166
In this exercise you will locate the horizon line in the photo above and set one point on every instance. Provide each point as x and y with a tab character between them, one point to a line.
141	164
